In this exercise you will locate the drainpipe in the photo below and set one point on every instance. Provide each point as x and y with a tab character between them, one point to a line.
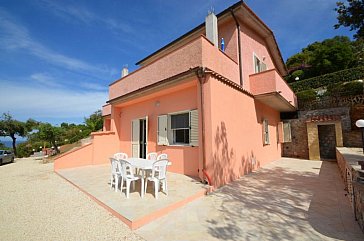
201	75
239	47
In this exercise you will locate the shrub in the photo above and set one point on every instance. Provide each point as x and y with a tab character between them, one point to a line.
306	95
345	89
329	79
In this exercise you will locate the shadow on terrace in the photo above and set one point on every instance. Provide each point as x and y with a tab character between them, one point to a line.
284	203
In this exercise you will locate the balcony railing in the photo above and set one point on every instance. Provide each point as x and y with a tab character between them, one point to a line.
200	52
271	89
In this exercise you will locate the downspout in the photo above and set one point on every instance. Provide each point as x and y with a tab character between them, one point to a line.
201	75
239	48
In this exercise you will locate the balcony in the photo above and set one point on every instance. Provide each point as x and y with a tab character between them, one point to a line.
269	88
200	52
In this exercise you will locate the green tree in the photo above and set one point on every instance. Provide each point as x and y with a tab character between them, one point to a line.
49	133
323	57
12	128
352	16
95	121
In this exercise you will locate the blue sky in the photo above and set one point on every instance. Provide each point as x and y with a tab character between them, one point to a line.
58	57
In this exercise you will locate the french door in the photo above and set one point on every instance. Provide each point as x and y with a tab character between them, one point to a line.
139	137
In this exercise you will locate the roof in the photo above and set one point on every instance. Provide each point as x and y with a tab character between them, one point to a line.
227	12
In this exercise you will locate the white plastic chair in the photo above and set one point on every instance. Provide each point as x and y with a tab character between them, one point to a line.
115	174
162	156
128	176
159	175
121	155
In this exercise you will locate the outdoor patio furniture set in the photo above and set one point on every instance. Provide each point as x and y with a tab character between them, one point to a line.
130	170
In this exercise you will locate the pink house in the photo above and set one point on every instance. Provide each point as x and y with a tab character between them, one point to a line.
215	112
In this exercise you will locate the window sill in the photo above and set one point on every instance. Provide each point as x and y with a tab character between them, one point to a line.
179	145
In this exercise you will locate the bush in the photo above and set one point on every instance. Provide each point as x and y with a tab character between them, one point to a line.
345	89
329	79
306	95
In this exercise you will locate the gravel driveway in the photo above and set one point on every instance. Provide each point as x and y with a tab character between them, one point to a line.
37	204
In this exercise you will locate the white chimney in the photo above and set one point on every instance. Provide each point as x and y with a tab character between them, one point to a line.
124	71
211	28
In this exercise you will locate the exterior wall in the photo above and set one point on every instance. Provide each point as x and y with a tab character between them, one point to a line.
234	138
347	160
270	81
229	32
252	43
199	52
103	145
185	159
75	158
298	147
106	110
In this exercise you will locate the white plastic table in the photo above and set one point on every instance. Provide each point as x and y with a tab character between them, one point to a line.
144	165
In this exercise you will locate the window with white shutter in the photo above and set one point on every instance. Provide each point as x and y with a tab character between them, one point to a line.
178	129
162	130
194	128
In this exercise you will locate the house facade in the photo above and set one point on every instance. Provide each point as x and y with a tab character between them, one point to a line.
215	110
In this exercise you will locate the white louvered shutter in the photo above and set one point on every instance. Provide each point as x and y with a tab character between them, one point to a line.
194	128
162	130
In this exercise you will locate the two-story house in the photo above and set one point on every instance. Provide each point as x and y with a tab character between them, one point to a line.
215	110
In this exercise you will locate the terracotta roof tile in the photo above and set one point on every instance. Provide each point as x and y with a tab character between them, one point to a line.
323	118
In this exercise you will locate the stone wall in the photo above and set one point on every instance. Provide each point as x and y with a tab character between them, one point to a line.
347	160
343	112
298	148
353	138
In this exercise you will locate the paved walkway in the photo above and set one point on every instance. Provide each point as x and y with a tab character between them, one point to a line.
37	204
289	199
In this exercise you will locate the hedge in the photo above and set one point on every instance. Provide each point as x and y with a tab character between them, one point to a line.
327	79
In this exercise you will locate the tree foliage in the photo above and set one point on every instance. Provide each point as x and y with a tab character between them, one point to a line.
324	57
352	16
95	121
12	128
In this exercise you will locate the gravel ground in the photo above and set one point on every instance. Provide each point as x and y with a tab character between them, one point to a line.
37	204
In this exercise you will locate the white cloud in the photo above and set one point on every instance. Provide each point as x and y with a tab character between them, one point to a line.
45	79
93	86
15	36
29	101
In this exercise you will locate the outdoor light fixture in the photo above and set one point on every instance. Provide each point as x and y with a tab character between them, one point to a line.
360	124
297	78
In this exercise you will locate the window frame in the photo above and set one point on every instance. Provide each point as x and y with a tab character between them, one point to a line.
169	134
173	130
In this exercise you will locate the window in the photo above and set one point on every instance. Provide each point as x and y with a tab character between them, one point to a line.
265	132
259	66
178	129
180	126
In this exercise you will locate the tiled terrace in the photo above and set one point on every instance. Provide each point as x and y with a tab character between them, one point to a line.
135	211
289	199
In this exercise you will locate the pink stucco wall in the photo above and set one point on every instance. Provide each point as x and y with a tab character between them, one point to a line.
103	146
199	52
234	138
252	43
270	81
76	158
185	159
229	32
106	110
